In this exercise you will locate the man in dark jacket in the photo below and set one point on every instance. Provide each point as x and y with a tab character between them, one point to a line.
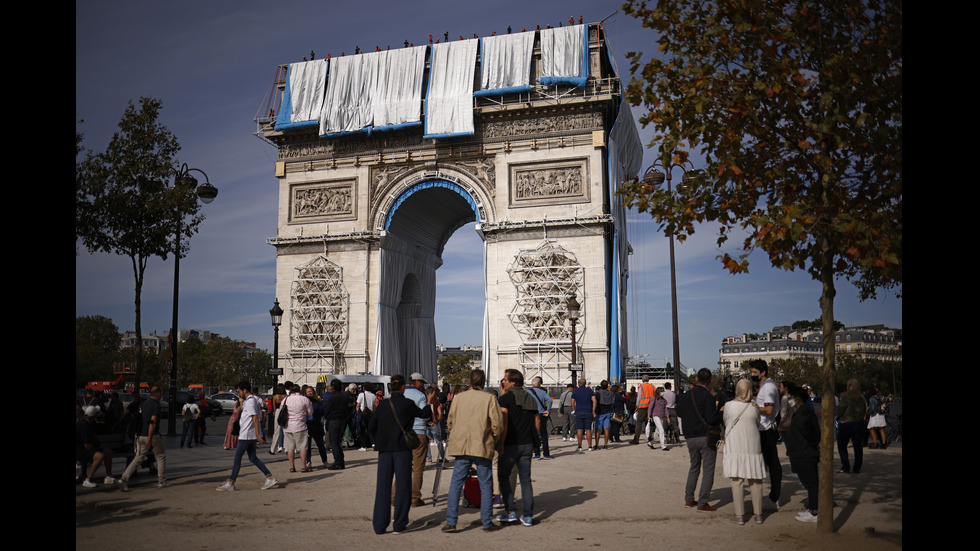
698	412
391	419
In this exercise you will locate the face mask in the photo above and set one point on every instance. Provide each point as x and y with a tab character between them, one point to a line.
755	378
792	403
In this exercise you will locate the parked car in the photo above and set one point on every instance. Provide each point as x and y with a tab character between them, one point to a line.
226	399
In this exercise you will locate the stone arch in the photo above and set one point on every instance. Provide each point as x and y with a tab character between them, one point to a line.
415	219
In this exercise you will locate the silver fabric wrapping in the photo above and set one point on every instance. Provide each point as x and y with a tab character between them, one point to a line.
449	102
347	105
397	98
506	61
406	337
307	81
562	51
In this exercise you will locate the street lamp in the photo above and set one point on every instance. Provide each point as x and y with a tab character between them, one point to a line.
655	178
206	193
276	313
573	309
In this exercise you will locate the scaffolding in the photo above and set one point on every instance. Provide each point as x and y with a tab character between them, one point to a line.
318	319
545	278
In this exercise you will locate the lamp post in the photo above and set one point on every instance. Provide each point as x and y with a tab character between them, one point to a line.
573	309
276	313
655	178
206	193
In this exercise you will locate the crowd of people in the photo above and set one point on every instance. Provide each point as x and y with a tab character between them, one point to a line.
504	430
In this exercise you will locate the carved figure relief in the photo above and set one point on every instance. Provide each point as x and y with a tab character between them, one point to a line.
322	200
541	125
548	183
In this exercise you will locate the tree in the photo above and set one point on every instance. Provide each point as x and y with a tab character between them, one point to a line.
96	346
455	368
122	202
796	108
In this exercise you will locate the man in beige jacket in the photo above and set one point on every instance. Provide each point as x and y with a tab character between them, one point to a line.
475	425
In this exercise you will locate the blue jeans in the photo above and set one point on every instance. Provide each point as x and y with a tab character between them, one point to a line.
187	433
519	454
435	435
461	470
247	447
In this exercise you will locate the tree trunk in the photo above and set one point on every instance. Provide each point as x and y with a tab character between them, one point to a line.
138	273
825	516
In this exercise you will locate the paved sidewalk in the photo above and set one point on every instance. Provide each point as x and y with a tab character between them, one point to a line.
625	496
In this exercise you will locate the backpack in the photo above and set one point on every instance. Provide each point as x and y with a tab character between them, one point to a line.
606	397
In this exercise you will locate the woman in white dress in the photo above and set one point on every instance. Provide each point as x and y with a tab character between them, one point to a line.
742	461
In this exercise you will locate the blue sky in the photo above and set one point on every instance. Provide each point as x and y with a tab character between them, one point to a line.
212	64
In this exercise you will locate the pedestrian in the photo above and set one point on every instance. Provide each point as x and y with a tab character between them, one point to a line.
768	402
644	395
249	437
88	449
877	421
699	417
189	415
742	457
366	402
658	414
544	401
414	391
314	428
475	426
565	413
851	414
802	443
149	439
521	421
584	406
335	411
389	425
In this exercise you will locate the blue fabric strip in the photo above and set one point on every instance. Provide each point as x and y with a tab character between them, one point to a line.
502	91
428	184
286	108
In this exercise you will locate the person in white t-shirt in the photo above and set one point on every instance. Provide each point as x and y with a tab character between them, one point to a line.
249	436
366	401
768	401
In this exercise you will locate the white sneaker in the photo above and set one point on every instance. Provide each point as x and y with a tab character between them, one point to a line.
88	483
226	487
164	484
269	482
362	449
123	485
110	480
806	516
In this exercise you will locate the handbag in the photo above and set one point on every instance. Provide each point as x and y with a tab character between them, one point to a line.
410	439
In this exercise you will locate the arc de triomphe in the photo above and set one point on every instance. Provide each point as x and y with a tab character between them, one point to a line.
382	156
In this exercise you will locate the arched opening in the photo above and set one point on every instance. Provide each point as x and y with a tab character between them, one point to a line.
417	227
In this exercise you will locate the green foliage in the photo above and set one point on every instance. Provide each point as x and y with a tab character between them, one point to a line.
455	369
96	347
796	107
887	374
219	363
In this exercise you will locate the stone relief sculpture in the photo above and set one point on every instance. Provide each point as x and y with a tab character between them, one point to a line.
551	182
545	277
319	307
322	200
540	125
